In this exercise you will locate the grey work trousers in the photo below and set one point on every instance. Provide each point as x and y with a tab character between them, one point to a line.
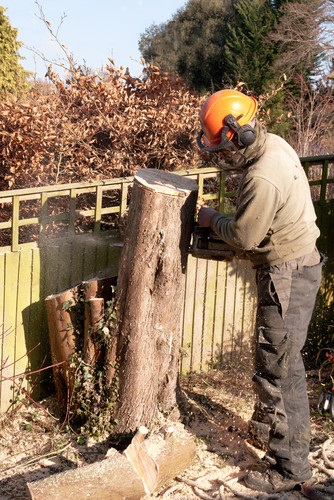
286	299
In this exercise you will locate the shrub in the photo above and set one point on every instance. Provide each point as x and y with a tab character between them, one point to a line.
97	126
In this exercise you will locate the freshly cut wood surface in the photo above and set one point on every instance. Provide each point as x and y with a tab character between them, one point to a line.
165	182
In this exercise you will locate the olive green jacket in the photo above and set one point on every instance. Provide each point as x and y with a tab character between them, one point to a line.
275	218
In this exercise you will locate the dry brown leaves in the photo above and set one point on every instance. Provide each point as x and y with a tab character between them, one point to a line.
97	126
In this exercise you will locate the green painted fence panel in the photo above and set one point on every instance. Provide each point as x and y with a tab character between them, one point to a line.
220	297
219	313
29	276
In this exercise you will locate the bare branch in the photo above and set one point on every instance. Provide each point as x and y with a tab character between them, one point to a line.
70	66
305	32
310	114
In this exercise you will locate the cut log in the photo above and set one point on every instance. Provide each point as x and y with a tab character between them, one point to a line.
173	453
61	321
99	287
64	324
103	288
93	314
116	477
113	478
150	294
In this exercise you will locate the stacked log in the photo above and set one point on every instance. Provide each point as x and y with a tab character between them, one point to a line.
65	323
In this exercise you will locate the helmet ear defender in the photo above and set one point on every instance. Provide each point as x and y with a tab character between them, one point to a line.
244	134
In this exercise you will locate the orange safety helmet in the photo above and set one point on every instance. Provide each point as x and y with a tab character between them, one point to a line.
224	116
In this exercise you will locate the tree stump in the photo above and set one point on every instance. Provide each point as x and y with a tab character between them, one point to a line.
150	294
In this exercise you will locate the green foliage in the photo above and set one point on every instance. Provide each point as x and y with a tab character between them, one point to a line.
255	44
212	43
191	43
13	78
91	407
249	54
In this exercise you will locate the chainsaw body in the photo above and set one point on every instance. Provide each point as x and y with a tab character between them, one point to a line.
207	245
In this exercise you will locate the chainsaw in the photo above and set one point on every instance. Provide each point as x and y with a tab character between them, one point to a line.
206	244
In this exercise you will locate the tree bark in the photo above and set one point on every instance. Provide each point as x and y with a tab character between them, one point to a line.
113	478
150	294
93	314
61	320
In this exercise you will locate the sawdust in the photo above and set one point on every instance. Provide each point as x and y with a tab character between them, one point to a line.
215	408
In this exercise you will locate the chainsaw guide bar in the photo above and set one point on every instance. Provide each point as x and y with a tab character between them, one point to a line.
207	245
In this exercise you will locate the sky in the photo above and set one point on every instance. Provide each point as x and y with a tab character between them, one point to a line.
92	30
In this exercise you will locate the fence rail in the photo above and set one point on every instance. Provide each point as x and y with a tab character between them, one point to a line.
320	173
54	237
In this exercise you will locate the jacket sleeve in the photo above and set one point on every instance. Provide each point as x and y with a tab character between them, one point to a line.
258	203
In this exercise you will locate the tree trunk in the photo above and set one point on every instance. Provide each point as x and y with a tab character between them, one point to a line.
150	294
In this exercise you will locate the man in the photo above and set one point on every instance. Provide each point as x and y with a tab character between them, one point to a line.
274	225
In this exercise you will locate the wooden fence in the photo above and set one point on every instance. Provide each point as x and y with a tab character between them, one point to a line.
54	237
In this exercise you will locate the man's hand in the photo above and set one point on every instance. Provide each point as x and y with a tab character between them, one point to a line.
205	215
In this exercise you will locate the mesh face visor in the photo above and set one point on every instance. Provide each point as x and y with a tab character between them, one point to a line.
225	142
244	136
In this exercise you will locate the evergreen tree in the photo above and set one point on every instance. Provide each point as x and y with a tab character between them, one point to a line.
218	43
249	54
191	43
13	77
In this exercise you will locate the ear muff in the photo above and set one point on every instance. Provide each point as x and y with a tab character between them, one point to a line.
245	134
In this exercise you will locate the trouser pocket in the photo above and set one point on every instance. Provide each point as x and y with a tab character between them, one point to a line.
271	356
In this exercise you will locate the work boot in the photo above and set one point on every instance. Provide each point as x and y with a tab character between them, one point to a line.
270	481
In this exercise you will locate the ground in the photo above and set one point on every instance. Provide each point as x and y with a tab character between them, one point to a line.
218	405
